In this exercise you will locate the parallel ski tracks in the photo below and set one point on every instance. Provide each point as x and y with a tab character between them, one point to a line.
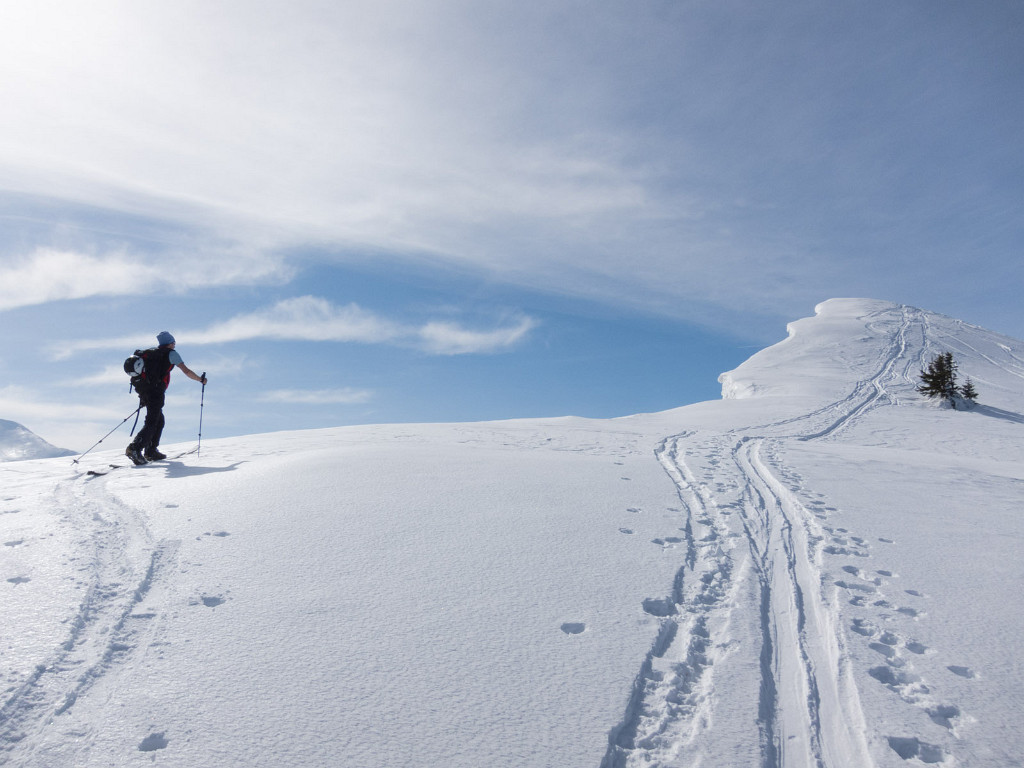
816	718
809	713
123	562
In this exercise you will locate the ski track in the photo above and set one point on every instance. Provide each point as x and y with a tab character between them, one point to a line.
809	711
672	697
105	632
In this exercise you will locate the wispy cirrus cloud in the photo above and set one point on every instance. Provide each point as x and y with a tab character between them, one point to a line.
343	396
686	159
444	133
445	338
49	274
305	318
311	318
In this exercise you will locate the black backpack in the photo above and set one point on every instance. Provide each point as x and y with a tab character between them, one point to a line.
148	368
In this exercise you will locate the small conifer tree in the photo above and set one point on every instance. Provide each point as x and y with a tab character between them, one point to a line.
968	392
939	379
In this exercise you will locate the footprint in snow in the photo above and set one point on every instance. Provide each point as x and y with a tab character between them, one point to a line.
625	530
864	627
659	606
834	549
913	748
886	650
903	681
667	542
855	571
19	580
573	627
210	601
854	587
965	672
944	715
153	742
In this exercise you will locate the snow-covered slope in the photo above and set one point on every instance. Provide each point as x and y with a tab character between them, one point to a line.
822	569
17	443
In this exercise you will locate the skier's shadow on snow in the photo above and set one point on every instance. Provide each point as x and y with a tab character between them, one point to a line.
178	469
998	413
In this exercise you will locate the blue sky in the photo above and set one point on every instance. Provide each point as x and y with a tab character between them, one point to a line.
412	211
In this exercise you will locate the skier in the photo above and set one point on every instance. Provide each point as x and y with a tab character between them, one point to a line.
151	387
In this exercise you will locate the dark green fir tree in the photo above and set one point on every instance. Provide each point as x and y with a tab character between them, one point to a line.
938	380
968	392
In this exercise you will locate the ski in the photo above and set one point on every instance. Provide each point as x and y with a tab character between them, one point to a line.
98	473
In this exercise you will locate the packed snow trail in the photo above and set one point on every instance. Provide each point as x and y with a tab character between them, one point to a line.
809	713
116	565
751	539
818	718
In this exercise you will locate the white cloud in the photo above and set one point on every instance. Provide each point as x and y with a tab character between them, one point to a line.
673	158
49	274
113	374
310	318
398	126
444	338
343	396
65	423
306	318
20	403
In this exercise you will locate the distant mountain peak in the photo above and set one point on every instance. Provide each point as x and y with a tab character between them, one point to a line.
18	443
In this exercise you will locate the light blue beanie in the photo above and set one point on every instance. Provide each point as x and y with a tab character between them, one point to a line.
164	338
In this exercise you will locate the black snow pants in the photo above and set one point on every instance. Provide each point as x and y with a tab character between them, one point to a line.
148	438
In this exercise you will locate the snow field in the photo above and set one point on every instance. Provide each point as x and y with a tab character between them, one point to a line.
821	570
372	601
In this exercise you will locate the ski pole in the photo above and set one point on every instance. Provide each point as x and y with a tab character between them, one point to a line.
202	399
133	413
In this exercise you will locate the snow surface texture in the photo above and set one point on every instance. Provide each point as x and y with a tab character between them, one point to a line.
822	569
18	443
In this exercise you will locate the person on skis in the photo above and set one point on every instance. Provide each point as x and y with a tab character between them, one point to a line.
151	386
